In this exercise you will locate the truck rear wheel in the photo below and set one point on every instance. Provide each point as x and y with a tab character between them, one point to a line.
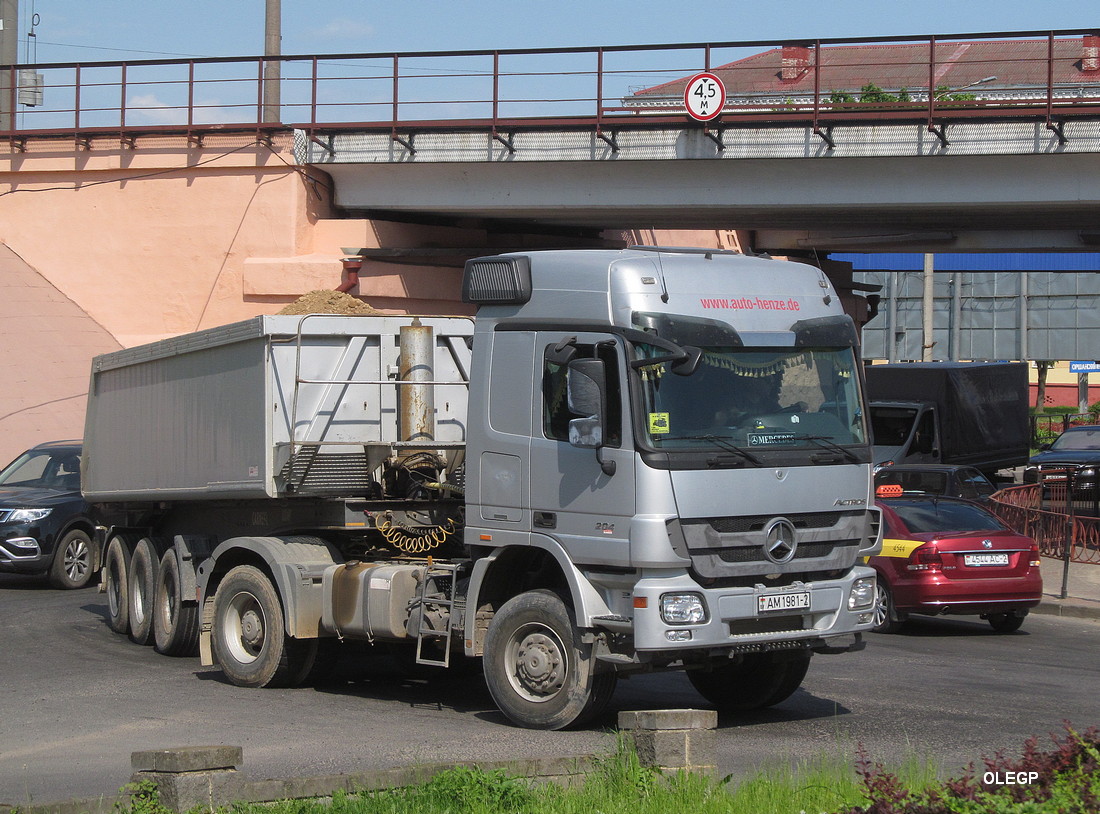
175	623
759	680
250	642
143	587
116	572
539	672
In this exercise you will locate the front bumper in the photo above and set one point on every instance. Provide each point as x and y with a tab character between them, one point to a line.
735	621
20	552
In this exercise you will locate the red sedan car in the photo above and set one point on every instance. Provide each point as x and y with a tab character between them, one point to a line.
950	556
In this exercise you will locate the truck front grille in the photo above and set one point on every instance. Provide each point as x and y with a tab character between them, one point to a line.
734	548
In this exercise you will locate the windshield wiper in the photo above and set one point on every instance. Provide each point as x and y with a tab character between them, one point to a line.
721	442
827	443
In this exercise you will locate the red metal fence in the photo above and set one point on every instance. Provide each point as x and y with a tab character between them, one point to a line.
1046	77
1039	511
1045	427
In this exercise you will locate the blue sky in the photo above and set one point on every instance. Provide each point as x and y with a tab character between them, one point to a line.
91	30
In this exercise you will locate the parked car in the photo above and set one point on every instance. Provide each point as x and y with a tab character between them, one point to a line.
943	555
44	522
937	479
1077	448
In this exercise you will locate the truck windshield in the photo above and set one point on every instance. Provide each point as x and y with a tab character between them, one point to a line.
757	399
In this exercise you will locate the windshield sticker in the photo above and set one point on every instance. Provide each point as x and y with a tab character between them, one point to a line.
767	439
751	303
658	423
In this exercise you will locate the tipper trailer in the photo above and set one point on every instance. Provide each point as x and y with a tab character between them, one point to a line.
630	460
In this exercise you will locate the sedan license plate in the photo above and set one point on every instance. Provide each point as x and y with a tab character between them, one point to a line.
985	559
794	600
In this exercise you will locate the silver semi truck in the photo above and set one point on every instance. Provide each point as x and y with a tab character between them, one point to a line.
630	460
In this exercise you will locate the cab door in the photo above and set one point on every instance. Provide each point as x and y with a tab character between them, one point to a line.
573	499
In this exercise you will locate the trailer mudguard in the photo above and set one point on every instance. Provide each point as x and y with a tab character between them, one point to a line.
297	565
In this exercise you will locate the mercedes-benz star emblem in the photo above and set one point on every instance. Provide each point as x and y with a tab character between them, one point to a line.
779	542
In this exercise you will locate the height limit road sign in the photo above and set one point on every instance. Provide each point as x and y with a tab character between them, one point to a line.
704	96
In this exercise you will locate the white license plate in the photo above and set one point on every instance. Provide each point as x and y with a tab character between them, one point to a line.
769	603
985	559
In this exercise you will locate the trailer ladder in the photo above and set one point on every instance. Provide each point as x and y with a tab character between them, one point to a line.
444	600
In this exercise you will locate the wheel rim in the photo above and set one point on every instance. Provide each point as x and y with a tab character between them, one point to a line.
76	559
537	662
168	602
138	593
114	589
244	628
881	611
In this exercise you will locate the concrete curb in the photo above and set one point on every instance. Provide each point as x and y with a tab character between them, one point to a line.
207	777
1076	609
223	786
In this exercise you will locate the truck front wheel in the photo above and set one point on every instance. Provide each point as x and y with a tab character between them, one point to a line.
759	680
250	643
539	672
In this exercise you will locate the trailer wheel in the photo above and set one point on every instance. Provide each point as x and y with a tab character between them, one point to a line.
759	680
175	623
250	643
116	578
539	672
72	561
143	587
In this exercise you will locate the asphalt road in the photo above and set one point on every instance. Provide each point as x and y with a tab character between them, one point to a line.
77	699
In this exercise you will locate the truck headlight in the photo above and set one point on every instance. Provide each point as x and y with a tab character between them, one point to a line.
27	515
683	609
862	594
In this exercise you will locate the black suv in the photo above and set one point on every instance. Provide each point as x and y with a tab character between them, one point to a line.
44	523
1077	449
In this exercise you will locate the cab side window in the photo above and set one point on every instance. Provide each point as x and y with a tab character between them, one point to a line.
925	439
556	414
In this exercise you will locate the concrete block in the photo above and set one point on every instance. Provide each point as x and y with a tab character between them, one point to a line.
674	740
183	791
668	719
187	759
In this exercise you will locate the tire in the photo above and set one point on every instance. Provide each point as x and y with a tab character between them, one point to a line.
885	615
116	577
537	669
757	681
250	643
72	561
1005	622
319	668
175	622
144	563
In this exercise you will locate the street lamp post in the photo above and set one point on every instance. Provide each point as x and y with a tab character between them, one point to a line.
272	67
9	55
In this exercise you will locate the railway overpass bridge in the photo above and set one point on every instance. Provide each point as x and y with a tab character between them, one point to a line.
961	142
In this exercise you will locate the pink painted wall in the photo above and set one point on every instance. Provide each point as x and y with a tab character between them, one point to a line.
116	246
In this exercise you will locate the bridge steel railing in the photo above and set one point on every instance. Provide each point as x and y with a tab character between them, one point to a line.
1046	77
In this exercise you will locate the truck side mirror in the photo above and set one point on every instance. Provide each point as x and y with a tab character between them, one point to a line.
586	395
